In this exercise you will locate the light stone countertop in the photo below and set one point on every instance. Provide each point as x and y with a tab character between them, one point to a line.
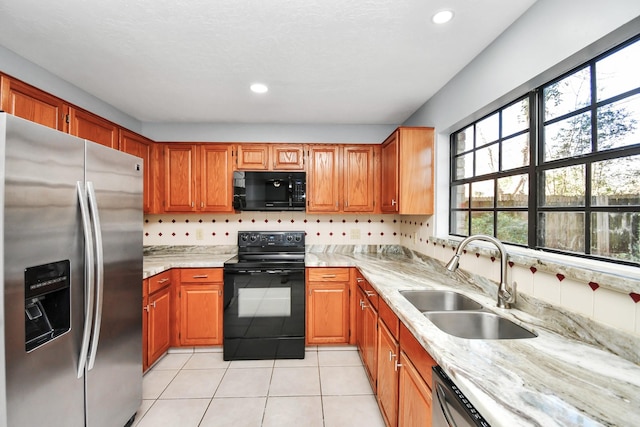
555	379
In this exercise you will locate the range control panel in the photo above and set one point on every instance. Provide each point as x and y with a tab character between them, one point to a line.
270	238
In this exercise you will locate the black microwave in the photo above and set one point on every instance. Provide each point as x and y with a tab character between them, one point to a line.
269	191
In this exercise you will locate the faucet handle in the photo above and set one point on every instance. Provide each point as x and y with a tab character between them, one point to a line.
512	293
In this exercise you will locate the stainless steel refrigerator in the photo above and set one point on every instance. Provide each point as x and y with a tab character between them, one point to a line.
71	263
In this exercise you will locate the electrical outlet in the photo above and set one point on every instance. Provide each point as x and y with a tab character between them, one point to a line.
354	234
199	234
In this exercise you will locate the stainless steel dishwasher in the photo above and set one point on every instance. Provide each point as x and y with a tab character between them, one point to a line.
450	407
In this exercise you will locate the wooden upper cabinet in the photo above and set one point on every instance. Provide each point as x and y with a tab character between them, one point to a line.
342	178
253	157
287	157
407	180
358	178
215	178
30	103
323	179
89	126
141	147
179	178
270	157
198	177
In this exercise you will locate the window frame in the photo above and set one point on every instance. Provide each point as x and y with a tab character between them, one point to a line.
537	164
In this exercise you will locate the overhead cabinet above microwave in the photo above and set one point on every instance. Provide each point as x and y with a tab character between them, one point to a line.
277	157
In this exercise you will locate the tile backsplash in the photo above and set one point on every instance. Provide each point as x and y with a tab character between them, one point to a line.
580	294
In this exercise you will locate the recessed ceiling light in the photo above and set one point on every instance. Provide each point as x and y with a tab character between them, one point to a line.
259	88
442	17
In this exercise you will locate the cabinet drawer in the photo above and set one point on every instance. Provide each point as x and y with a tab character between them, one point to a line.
389	318
159	281
328	274
201	275
420	358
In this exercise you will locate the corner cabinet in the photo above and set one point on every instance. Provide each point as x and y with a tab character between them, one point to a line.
407	171
328	309
197	177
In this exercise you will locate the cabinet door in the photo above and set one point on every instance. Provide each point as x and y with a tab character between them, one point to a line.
159	325
253	157
389	181
414	404
327	313
145	325
179	175
141	147
370	342
200	314
323	185
89	126
361	300
23	100
287	157
388	353
358	178
215	178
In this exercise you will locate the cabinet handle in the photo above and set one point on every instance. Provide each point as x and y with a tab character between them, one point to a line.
219	293
397	365
359	279
153	304
200	276
393	202
364	306
369	293
202	204
146	308
161	281
391	355
361	304
328	276
192	204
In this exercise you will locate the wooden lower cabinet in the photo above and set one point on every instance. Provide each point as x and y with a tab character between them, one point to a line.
200	306
157	312
367	324
328	308
414	403
388	373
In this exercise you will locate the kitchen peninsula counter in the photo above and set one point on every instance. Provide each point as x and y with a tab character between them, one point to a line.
555	379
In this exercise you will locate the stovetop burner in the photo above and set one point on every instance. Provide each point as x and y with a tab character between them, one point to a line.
269	249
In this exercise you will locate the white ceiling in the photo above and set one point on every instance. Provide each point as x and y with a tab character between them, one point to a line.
325	61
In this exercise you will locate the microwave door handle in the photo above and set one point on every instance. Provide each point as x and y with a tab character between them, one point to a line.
93	205
89	278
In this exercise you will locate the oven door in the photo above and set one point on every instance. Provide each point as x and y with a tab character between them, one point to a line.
264	313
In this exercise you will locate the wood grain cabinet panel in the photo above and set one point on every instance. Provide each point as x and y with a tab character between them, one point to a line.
367	328
414	403
407	171
159	326
388	374
328	317
200	308
253	157
25	101
342	178
89	126
287	157
142	147
215	178
179	178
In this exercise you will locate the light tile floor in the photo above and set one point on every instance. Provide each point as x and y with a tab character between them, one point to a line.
328	388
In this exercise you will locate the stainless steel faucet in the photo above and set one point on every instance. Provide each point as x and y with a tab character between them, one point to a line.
506	294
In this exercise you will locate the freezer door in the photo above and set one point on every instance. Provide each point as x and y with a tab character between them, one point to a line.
114	372
41	227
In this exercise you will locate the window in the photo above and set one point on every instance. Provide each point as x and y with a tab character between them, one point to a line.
559	168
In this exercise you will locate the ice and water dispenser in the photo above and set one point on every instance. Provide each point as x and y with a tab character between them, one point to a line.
47	304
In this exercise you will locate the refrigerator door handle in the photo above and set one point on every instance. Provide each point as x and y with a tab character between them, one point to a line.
99	257
89	278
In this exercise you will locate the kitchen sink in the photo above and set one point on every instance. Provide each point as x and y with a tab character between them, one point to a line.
435	300
477	325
